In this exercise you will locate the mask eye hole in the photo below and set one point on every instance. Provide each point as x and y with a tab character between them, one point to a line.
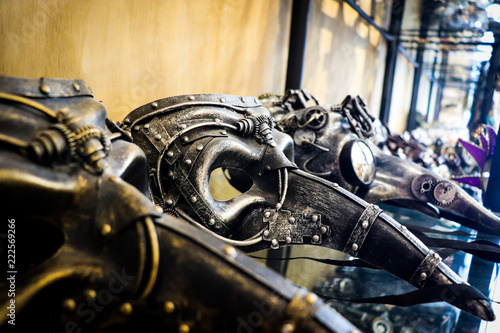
228	183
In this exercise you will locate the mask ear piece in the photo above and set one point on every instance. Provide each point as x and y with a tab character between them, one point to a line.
357	163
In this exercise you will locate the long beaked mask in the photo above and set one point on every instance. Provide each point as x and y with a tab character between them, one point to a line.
93	252
337	143
186	137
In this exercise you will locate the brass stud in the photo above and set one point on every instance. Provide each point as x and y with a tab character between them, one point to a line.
188	162
158	137
217	120
403	228
199	147
311	298
114	179
170	173
90	294
76	86
169	202
335	185
354	247
146	127
288	239
182	126
315	238
185	139
191	98
170	154
365	224
274	242
137	128
315	218
423	276
69	304
223	100
223	132
106	229
126	308
230	251
154	105
291	219
44	88
266	233
193	199
169	307
288	328
323	230
267	214
183	328
211	222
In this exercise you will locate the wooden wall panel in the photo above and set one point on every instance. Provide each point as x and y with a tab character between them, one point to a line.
132	52
344	55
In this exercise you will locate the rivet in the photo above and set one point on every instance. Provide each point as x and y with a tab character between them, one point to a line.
191	98
137	128
288	239
230	251
154	105
159	209
114	179
315	238
44	88
223	132
266	233
217	120
193	199
90	293
403	228
436	256
183	328
69	304
185	139
182	126
365	224
169	307
335	185
243	99
170	154
291	219
211	222
76	86
354	247
169	202
126	308
199	147
288	328
323	230
158	137
255	100
127	121
222	100
188	162
146	127
268	167
315	218
267	214
274	242
170	173
423	276
311	298
106	229
278	205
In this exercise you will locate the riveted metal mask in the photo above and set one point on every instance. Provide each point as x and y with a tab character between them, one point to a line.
186	137
94	253
339	143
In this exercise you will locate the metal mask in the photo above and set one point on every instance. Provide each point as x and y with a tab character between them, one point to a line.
93	252
186	137
339	143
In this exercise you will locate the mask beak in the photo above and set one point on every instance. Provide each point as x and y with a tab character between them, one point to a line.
410	185
322	213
